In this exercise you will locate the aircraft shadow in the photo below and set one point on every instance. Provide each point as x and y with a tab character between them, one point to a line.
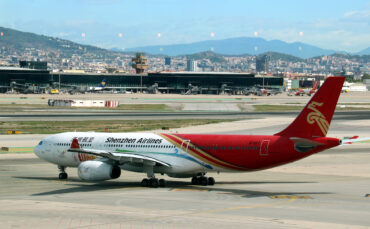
242	192
253	194
47	178
78	186
88	187
265	182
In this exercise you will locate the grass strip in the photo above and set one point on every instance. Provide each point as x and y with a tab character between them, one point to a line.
280	108
52	127
276	108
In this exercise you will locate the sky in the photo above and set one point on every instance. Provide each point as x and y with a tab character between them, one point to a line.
330	24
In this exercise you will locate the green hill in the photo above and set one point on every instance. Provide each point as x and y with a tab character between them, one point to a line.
14	41
214	57
284	57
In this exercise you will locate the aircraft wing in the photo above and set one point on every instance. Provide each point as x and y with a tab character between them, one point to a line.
121	158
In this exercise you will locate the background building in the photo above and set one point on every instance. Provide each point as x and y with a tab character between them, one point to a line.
167	60
140	63
262	63
39	65
167	82
191	66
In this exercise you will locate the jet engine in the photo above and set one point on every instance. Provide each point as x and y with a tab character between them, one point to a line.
98	171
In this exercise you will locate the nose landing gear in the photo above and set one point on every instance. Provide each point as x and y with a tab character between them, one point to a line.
62	175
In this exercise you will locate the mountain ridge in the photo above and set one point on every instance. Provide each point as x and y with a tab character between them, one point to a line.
237	46
364	52
20	41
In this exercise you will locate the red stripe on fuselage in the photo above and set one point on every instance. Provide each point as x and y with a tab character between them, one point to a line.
201	154
243	152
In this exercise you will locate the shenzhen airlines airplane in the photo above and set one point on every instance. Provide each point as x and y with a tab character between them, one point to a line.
308	92
102	156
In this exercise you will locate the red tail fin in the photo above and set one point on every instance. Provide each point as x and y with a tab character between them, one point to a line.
314	120
75	144
315	86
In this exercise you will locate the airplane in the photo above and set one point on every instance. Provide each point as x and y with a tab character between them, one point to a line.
102	156
100	87
309	92
266	91
73	89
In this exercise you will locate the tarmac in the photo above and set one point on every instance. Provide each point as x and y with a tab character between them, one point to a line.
327	190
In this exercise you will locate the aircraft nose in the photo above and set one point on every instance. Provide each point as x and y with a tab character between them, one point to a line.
37	150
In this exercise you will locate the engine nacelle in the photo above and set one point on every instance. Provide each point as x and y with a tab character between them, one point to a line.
98	171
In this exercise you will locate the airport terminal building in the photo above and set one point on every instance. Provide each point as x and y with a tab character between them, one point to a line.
166	82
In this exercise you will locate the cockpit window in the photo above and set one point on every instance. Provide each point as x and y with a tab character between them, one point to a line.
40	143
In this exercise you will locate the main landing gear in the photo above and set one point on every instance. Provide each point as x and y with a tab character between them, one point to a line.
203	180
62	175
153	182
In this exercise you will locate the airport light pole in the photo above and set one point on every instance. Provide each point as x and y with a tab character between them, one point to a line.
141	84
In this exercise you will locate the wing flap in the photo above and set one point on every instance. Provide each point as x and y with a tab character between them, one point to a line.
118	157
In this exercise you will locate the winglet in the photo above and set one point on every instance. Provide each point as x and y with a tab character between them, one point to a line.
75	144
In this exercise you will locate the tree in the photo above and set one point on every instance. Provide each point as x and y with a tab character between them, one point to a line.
366	76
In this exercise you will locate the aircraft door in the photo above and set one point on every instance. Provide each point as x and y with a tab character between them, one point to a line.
185	145
264	150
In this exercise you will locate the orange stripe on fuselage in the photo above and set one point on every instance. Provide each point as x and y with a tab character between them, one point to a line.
201	154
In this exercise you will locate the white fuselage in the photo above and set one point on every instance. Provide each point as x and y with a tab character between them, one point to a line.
54	149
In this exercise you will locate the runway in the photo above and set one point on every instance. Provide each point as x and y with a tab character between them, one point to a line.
327	190
68	116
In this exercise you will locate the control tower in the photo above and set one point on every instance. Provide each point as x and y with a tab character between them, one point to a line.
140	63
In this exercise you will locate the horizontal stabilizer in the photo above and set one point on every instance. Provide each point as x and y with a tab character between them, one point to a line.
303	145
348	141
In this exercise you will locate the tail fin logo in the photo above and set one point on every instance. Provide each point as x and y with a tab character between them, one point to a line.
318	117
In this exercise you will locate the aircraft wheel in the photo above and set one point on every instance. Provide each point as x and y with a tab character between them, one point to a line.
145	182
154	182
199	180
204	181
162	183
63	176
194	181
211	181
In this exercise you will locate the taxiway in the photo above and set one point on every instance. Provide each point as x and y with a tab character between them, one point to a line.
327	190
